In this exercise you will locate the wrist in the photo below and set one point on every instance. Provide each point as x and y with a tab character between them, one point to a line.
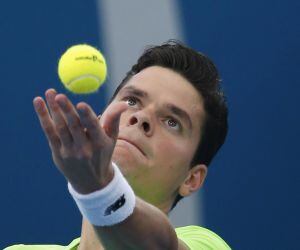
88	182
108	206
108	177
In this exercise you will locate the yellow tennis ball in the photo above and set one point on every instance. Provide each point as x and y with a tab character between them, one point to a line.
82	69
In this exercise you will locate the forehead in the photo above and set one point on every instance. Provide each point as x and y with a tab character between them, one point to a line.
163	85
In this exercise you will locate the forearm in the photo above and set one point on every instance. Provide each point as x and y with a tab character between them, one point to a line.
146	228
123	221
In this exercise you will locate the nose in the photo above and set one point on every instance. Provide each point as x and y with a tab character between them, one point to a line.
142	121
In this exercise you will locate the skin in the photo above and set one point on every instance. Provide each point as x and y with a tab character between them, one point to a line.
152	143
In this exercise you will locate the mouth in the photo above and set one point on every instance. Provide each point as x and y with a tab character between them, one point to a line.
133	144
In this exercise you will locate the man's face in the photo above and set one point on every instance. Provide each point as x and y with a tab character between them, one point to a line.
158	133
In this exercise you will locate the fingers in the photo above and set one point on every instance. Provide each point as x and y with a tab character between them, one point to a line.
91	122
111	118
72	119
65	127
47	124
58	118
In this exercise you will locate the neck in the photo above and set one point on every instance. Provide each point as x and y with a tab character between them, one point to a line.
89	239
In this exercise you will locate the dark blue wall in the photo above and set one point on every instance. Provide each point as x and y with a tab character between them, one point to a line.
252	191
35	205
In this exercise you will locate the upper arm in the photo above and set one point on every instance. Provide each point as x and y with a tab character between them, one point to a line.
182	245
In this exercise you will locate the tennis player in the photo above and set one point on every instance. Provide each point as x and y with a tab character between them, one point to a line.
151	147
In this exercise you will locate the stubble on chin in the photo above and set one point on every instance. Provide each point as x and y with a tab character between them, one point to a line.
124	160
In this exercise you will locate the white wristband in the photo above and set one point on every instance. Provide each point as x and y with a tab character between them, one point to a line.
108	206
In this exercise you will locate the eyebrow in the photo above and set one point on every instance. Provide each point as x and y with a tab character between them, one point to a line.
135	91
171	107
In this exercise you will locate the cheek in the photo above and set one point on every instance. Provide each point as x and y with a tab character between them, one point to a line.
173	155
169	167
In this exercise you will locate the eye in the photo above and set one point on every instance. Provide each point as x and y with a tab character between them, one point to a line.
172	123
130	100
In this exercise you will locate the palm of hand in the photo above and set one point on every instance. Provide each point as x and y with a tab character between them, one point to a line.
81	147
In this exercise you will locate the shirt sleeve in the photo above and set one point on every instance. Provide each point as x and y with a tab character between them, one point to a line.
199	238
34	247
72	246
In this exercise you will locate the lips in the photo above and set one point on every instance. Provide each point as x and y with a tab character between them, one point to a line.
132	143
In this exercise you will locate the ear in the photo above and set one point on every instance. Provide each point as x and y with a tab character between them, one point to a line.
194	180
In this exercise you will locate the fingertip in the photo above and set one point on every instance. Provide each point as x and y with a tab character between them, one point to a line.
118	107
37	100
61	99
124	105
111	118
81	107
38	103
50	93
60	96
121	107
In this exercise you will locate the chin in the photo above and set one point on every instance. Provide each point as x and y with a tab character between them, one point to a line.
125	161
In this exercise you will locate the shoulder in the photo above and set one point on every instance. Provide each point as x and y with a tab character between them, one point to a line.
196	238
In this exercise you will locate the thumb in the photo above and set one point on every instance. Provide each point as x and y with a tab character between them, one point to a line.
110	119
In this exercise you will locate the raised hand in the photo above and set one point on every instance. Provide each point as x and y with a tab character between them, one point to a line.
81	147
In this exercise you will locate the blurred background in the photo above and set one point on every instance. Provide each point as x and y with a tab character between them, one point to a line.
251	197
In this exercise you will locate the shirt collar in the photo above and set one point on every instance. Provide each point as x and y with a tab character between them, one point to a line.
73	245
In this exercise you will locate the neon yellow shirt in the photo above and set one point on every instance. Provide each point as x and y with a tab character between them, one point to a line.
195	237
